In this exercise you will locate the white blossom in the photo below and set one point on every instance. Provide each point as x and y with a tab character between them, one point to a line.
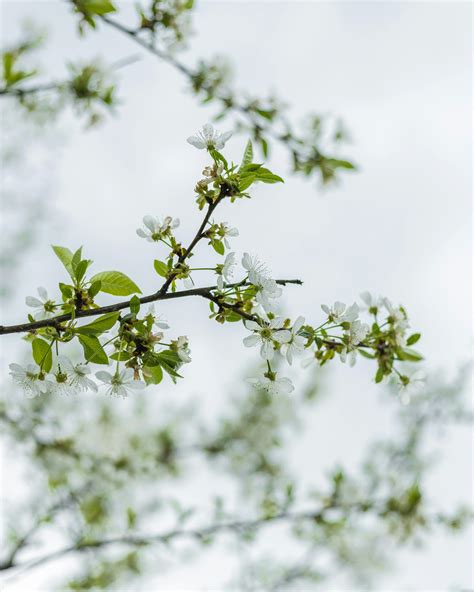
339	313
266	335
120	383
226	231
181	346
411	385
226	270
353	337
157	320
209	138
296	342
29	379
372	303
267	288
397	315
156	229
77	376
277	386
256	270
44	307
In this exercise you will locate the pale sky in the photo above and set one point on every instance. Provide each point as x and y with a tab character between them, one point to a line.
400	76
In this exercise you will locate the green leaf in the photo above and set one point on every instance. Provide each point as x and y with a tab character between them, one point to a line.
218	157
65	256
413	338
76	259
103	323
267	176
153	374
409	355
233	317
161	268
116	283
365	354
42	354
340	164
120	356
80	269
98	7
248	154
66	290
218	246
93	350
379	375
135	305
94	289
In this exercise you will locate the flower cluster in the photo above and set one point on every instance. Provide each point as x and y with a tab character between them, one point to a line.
135	345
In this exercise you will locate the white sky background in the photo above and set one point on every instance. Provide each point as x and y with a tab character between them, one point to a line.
399	74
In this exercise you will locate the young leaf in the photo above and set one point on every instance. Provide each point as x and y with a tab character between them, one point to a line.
135	305
218	246
413	338
80	269
379	375
161	268
409	355
93	350
42	354
153	374
65	256
76	259
94	289
248	155
267	176
116	283
103	323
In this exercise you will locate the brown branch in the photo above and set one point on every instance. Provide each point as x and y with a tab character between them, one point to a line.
166	537
205	292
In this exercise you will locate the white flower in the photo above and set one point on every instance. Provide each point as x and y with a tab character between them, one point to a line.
411	385
226	270
225	231
77	376
209	138
277	386
371	303
157	320
296	342
258	276
340	314
397	315
353	337
29	379
267	289
181	346
256	270
121	383
155	229
44	306
266	335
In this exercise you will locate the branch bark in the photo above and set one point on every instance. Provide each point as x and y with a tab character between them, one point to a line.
205	292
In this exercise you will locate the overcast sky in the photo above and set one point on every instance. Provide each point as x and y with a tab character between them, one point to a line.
400	76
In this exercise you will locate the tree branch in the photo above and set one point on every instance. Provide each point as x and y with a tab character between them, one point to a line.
166	537
205	292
